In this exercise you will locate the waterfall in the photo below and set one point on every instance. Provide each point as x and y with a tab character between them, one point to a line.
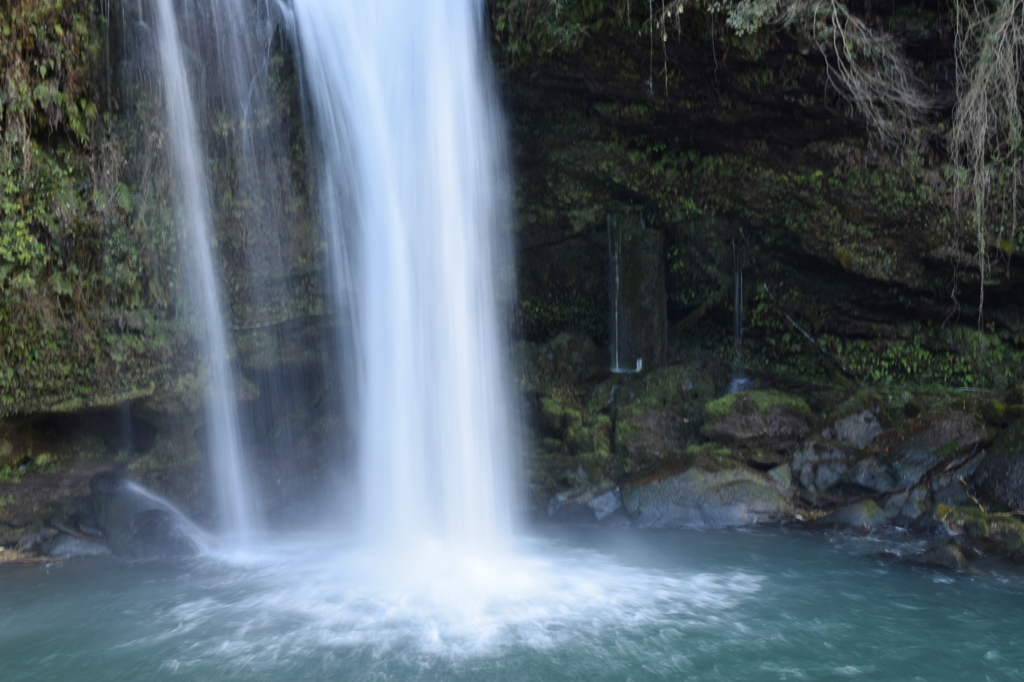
193	210
620	313
414	196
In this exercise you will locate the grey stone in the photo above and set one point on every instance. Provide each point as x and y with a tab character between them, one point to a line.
604	505
1000	475
67	546
871	474
819	466
137	524
946	556
698	498
912	465
865	515
858	429
782	474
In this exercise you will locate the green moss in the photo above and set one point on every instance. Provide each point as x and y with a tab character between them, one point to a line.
864	399
1006	532
756	401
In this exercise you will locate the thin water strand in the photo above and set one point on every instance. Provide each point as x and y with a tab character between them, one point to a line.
193	209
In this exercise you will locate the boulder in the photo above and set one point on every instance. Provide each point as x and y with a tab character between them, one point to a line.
703	498
905	507
945	556
64	546
645	433
917	445
757	418
865	515
585	508
858	429
818	466
999	477
569	358
138	524
872	474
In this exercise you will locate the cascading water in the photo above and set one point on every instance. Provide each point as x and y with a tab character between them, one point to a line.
193	209
408	126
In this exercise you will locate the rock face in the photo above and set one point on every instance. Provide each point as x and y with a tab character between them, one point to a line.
864	516
699	498
859	429
137	524
1000	476
763	418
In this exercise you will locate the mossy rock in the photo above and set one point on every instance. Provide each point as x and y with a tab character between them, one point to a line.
566	360
1001	533
945	435
768	418
865	515
700	498
645	434
947	556
999	477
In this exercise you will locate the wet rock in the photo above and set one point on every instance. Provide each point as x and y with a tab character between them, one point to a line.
605	505
782	474
912	465
583	508
999	477
767	418
699	498
139	525
946	556
906	507
66	546
865	515
35	540
871	474
820	465
999	534
645	433
942	436
859	430
569	358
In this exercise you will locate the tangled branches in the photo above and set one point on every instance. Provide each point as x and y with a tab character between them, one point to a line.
986	135
866	67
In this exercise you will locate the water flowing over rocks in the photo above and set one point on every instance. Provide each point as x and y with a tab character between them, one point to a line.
137	524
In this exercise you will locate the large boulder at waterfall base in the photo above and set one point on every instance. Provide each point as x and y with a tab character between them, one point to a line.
138	525
705	496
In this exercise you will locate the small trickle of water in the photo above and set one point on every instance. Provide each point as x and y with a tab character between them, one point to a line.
413	196
739	381
620	337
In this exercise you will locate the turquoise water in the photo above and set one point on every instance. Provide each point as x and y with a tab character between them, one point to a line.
573	604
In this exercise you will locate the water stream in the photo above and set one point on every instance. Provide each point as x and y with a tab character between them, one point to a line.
413	197
237	509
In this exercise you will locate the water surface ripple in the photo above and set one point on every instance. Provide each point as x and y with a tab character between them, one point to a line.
575	604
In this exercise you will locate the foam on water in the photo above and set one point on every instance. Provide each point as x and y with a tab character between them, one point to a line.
431	602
